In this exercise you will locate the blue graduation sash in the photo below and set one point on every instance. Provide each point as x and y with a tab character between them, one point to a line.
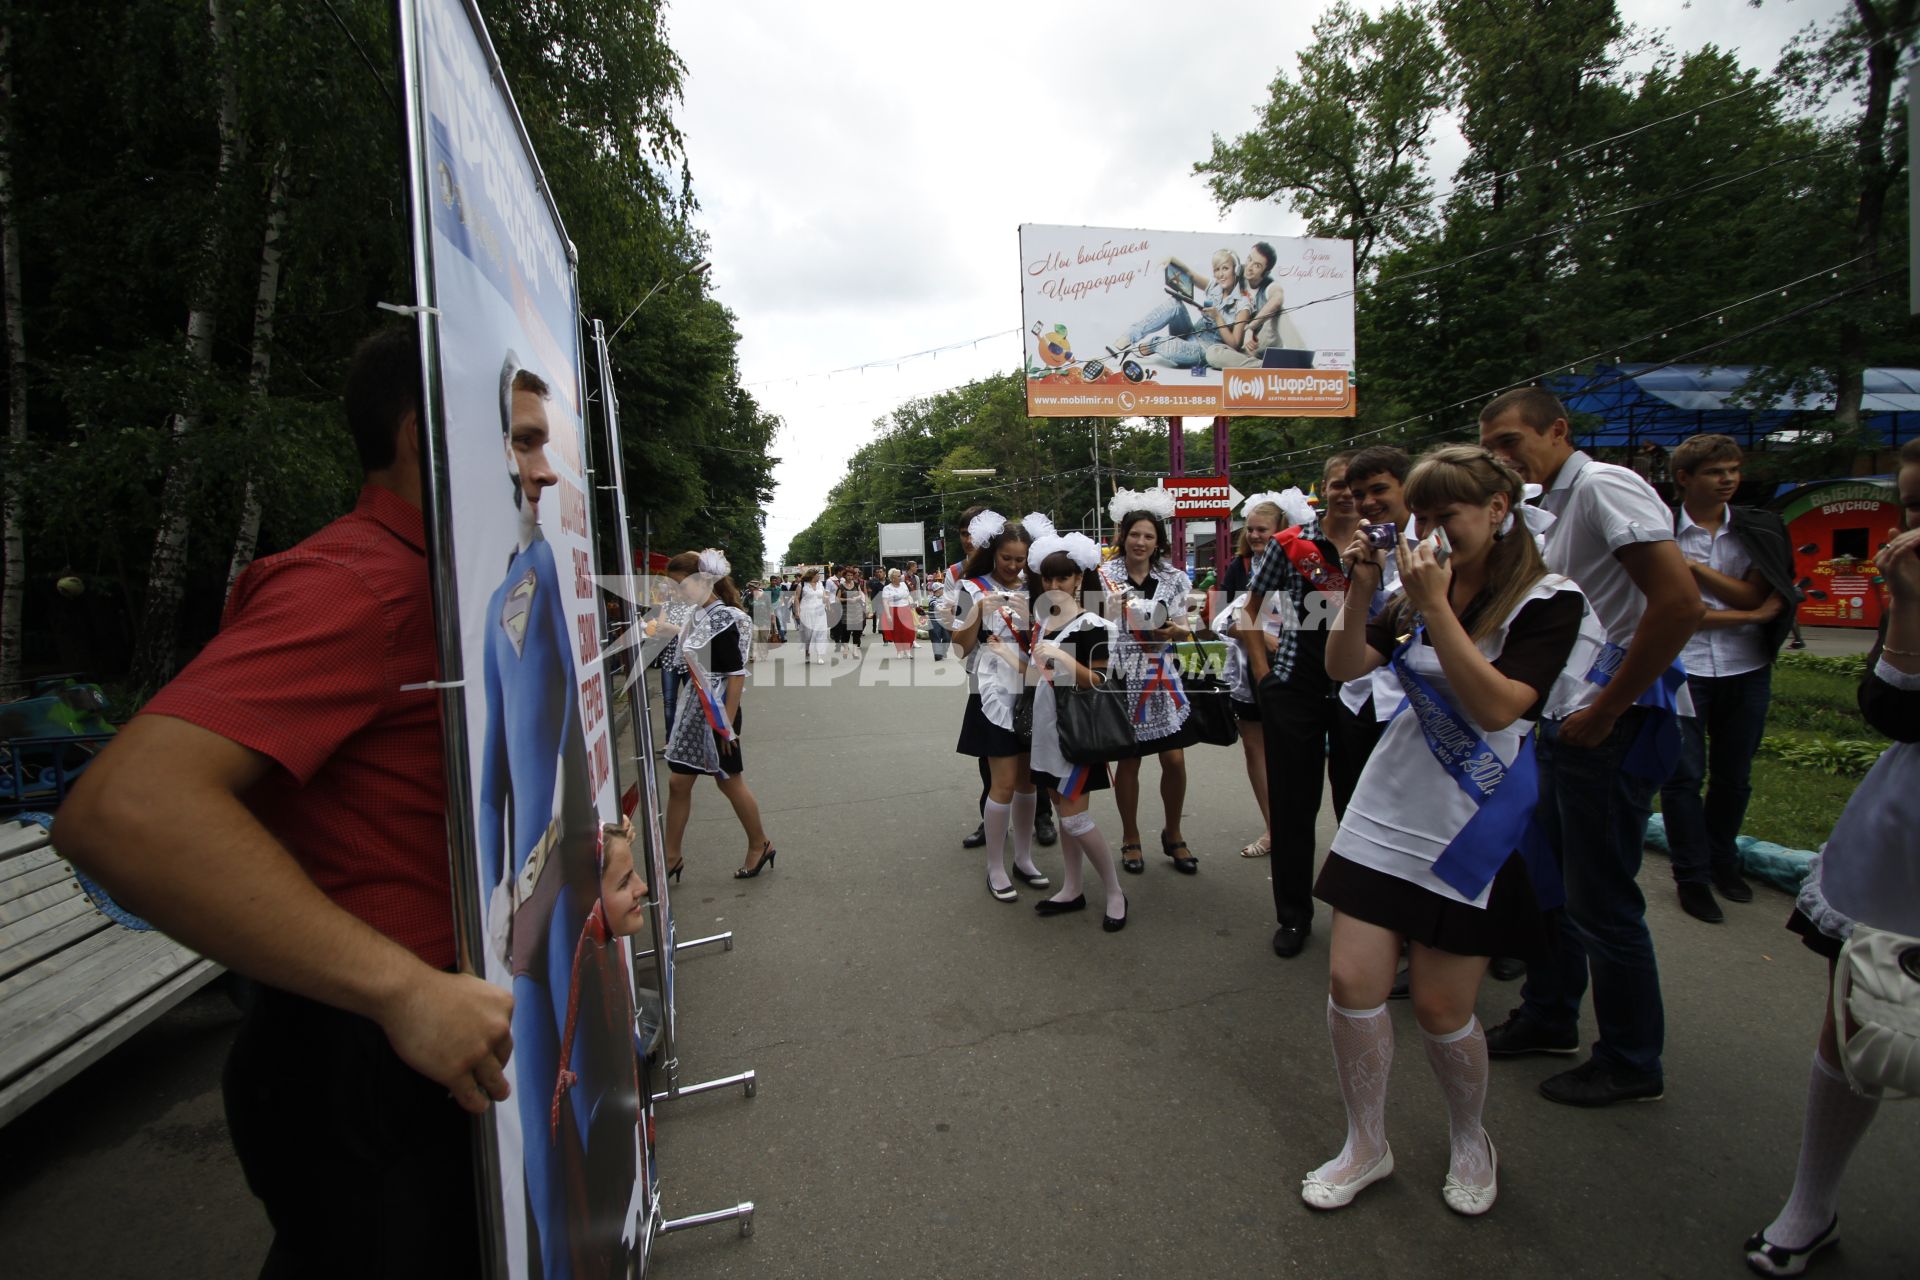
1505	795
1656	750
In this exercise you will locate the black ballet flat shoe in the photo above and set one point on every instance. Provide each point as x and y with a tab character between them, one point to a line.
1003	895
767	855
1034	881
1185	866
1768	1259
1113	924
1048	907
1134	866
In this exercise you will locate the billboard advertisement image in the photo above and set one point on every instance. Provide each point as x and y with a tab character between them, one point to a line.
1122	322
546	890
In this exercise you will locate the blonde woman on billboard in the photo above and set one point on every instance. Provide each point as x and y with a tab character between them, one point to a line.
1223	309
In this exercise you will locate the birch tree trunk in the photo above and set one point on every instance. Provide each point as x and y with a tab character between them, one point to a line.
13	595
166	576
260	372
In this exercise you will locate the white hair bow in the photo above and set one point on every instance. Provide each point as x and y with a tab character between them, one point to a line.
985	527
1156	502
1084	550
1265	498
714	561
1038	525
1043	546
1294	506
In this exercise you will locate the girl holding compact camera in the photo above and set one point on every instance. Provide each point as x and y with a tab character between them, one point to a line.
1435	849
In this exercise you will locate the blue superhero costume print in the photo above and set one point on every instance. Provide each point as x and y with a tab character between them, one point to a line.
547	863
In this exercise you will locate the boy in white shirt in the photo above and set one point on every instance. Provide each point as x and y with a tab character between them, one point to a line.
1605	744
1742	564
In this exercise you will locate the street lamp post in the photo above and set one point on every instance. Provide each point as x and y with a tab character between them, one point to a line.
959	471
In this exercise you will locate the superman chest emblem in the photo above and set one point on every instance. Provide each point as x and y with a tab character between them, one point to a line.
516	611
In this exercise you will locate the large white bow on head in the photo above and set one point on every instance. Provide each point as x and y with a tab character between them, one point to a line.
1038	525
985	527
1156	502
714	561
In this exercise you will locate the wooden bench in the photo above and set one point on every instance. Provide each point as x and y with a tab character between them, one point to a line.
73	983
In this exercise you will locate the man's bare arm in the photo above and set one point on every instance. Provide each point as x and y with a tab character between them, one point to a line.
158	820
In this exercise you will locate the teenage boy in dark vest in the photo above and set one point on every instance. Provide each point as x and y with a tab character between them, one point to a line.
1743	566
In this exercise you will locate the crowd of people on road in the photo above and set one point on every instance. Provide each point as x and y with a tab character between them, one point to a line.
1494	657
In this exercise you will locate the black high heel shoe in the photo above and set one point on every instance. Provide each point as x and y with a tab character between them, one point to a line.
767	854
1185	866
673	872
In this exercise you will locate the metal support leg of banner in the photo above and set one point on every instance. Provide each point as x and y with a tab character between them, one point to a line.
742	1213
648	827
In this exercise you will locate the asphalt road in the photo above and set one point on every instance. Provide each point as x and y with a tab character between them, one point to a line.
950	1086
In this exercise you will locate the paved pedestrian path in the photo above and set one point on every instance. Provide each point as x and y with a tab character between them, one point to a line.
952	1087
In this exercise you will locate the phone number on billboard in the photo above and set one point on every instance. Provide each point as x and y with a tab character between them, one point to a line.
1175	400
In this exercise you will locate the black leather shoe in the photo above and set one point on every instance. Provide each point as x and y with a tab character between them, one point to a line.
1289	940
977	840
1034	881
1518	1036
1134	866
1594	1084
1769	1259
1114	924
1697	900
1044	831
1506	969
1048	907
1729	884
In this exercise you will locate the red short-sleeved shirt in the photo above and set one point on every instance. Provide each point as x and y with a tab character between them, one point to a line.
308	670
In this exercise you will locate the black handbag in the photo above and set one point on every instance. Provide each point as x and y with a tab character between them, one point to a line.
1210	717
1094	724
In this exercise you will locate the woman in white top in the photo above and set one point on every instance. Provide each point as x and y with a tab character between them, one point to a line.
1487	632
1246	707
994	629
896	614
1863	876
813	618
1148	596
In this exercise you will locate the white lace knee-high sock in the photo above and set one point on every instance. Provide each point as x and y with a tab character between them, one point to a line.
1836	1117
1094	845
1362	1058
1021	823
1459	1061
994	815
1070	887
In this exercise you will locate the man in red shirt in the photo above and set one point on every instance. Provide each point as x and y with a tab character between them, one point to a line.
281	807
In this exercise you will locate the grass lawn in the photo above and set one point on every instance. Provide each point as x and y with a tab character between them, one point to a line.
1793	805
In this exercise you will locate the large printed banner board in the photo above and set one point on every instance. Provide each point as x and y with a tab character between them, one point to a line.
1122	323
539	765
909	539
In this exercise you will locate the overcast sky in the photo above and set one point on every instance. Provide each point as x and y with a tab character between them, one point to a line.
862	170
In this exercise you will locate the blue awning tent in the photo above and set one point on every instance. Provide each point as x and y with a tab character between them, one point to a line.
1664	404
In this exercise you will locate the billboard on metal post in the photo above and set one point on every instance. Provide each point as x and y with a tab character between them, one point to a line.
1121	323
514	561
903	539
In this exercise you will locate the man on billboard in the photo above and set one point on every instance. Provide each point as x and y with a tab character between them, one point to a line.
537	826
1267	319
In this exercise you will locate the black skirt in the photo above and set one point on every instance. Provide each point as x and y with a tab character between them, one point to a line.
731	762
1096	780
980	736
1821	944
1511	924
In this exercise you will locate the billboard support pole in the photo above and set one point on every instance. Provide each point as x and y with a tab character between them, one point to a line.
1223	529
1177	466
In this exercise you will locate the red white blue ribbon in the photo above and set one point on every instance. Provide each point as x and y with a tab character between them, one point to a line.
716	714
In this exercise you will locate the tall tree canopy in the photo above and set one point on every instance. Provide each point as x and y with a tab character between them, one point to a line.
207	200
